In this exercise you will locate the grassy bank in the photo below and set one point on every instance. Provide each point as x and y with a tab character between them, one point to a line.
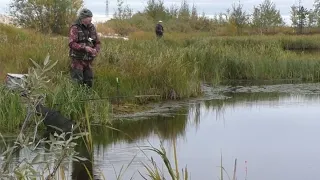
173	67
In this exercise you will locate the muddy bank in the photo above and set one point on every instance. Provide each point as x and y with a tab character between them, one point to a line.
219	92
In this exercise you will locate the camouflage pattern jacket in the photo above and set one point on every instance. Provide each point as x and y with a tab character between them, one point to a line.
81	36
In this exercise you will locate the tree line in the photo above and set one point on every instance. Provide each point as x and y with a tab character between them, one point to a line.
55	16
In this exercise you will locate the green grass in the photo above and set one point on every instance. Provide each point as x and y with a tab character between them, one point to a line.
178	62
172	67
12	111
73	101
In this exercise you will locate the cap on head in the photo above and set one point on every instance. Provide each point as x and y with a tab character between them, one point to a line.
84	13
160	21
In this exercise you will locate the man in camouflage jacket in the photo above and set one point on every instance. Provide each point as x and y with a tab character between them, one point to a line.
84	46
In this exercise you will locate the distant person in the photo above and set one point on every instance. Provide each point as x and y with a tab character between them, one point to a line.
84	46
159	29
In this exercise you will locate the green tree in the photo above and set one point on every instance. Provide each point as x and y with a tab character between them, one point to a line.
121	17
184	11
156	10
238	17
50	16
123	11
312	18
194	13
173	11
220	19
266	16
299	17
294	16
316	12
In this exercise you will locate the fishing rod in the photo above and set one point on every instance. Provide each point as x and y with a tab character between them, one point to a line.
25	93
108	98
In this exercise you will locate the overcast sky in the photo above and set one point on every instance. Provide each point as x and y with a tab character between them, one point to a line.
209	7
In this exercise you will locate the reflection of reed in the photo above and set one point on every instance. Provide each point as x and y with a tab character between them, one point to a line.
133	130
129	131
217	107
170	127
197	115
194	115
83	170
236	99
242	98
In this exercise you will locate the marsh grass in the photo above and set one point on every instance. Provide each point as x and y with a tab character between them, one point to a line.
74	101
224	172
179	62
12	111
60	94
44	158
173	67
155	173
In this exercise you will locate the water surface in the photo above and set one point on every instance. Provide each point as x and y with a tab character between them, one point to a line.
272	136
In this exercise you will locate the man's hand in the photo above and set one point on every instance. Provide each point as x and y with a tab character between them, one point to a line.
88	49
91	50
94	52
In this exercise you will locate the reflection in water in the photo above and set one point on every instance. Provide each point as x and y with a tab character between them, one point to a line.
166	128
244	98
217	107
130	131
275	133
83	170
252	130
127	132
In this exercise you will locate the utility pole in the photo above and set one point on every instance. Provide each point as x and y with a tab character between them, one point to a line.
107	8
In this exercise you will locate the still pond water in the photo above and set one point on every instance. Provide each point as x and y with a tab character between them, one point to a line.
277	135
273	136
